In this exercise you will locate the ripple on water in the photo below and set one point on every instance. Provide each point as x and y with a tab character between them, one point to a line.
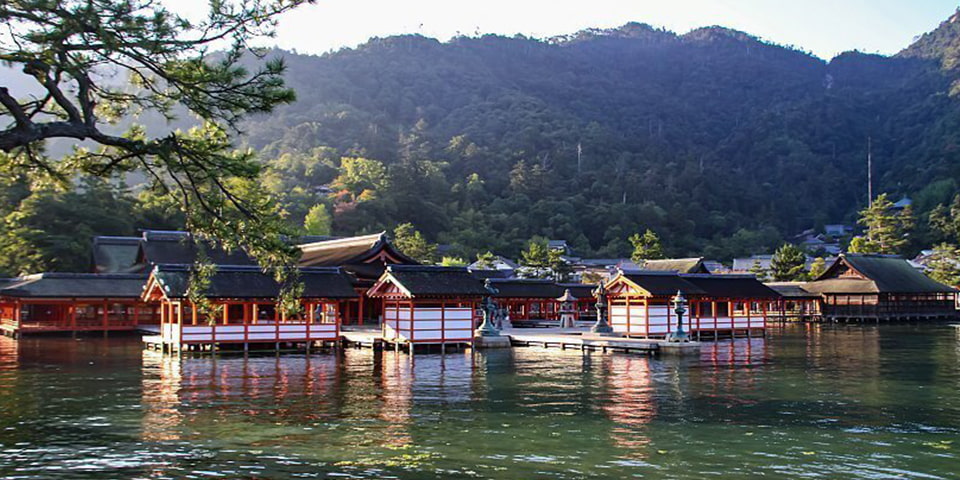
812	402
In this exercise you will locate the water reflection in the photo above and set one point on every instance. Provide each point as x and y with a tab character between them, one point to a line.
632	404
815	401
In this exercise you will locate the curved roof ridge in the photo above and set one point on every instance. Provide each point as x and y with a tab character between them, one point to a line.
373	238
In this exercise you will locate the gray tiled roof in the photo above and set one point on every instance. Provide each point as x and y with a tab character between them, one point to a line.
75	285
232	281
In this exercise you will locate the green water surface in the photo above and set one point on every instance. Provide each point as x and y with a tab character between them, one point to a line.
804	402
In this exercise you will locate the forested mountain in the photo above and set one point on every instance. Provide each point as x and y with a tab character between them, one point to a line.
704	137
722	143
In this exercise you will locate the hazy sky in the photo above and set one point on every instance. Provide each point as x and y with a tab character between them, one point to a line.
824	27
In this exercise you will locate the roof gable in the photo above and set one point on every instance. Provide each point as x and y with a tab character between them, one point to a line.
116	254
429	281
654	283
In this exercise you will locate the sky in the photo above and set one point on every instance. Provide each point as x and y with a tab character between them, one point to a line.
822	27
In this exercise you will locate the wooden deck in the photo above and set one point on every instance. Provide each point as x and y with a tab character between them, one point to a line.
367	336
580	339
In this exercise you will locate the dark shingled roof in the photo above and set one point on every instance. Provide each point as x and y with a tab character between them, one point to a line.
731	286
526	288
492	274
423	280
237	281
579	290
679	265
180	248
791	290
75	285
861	274
116	254
662	283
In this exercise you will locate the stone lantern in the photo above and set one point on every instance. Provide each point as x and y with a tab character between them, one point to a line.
567	309
680	308
488	308
601	327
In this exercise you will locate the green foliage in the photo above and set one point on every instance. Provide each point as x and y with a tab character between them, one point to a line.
318	221
751	148
412	244
861	244
788	264
536	256
360	179
541	261
49	229
63	48
757	270
945	261
817	268
200	277
486	260
945	264
886	229
646	246
453	262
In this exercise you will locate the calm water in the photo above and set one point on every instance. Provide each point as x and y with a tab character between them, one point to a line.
804	402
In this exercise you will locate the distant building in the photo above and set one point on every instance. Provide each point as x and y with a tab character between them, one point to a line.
837	230
880	287
603	268
745	264
560	245
903	203
678	265
714	266
500	267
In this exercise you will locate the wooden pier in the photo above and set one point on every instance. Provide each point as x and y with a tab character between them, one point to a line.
564	339
576	339
372	337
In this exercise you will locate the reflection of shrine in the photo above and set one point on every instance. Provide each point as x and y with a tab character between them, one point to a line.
630	402
183	395
427	383
738	352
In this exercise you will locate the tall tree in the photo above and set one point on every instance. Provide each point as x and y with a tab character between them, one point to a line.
360	178
318	221
536	257
788	263
817	267
412	243
486	260
68	49
646	246
758	271
945	264
886	229
558	265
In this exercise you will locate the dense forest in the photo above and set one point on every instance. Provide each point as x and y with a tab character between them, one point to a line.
722	144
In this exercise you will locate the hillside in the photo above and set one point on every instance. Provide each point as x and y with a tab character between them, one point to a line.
723	144
699	136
